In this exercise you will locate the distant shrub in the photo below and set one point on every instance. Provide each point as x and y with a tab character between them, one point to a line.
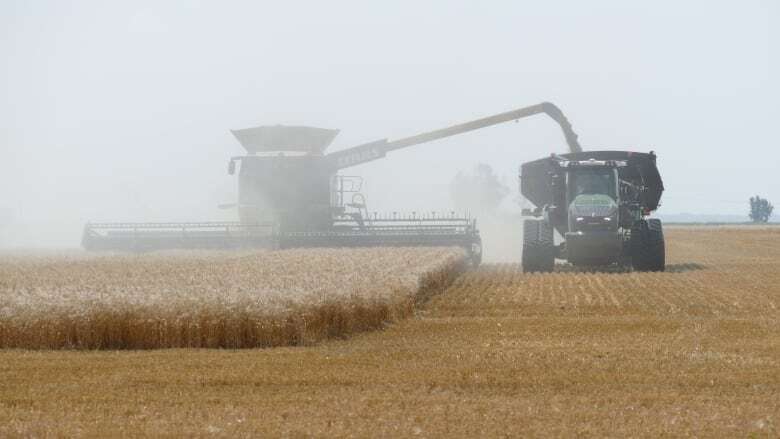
760	209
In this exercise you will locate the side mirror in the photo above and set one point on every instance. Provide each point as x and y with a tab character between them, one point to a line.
231	167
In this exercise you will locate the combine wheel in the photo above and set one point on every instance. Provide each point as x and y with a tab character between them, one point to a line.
648	251
538	246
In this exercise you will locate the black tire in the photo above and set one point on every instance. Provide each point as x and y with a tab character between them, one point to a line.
538	247
648	250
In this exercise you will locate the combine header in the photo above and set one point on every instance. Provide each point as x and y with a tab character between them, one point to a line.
291	195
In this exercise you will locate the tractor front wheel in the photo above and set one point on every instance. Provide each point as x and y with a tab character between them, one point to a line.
538	247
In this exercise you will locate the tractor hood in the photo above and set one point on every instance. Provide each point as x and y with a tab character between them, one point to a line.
593	206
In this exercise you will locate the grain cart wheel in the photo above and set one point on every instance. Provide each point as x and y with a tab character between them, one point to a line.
648	251
538	247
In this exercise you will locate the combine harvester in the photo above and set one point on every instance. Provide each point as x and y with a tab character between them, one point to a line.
291	195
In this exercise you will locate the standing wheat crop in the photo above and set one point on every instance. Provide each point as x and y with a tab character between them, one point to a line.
212	299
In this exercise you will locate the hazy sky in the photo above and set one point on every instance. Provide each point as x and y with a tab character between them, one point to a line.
121	110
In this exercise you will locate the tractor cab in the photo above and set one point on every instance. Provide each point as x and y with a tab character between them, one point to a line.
592	195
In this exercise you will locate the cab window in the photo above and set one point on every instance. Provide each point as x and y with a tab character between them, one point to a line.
594	182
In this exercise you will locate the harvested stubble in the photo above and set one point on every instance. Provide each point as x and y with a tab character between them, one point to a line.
212	299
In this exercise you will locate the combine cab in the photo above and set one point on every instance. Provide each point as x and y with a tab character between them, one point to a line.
599	202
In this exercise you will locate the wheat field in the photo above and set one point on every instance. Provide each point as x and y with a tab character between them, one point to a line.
212	299
694	351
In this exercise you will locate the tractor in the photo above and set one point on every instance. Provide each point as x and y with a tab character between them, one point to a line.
599	202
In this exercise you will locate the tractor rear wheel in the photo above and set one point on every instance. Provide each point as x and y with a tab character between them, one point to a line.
648	250
538	247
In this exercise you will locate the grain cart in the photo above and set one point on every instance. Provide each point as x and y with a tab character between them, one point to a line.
599	203
290	194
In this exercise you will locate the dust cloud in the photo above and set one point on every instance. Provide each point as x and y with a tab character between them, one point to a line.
502	237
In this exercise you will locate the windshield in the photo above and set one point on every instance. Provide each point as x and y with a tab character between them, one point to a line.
593	182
